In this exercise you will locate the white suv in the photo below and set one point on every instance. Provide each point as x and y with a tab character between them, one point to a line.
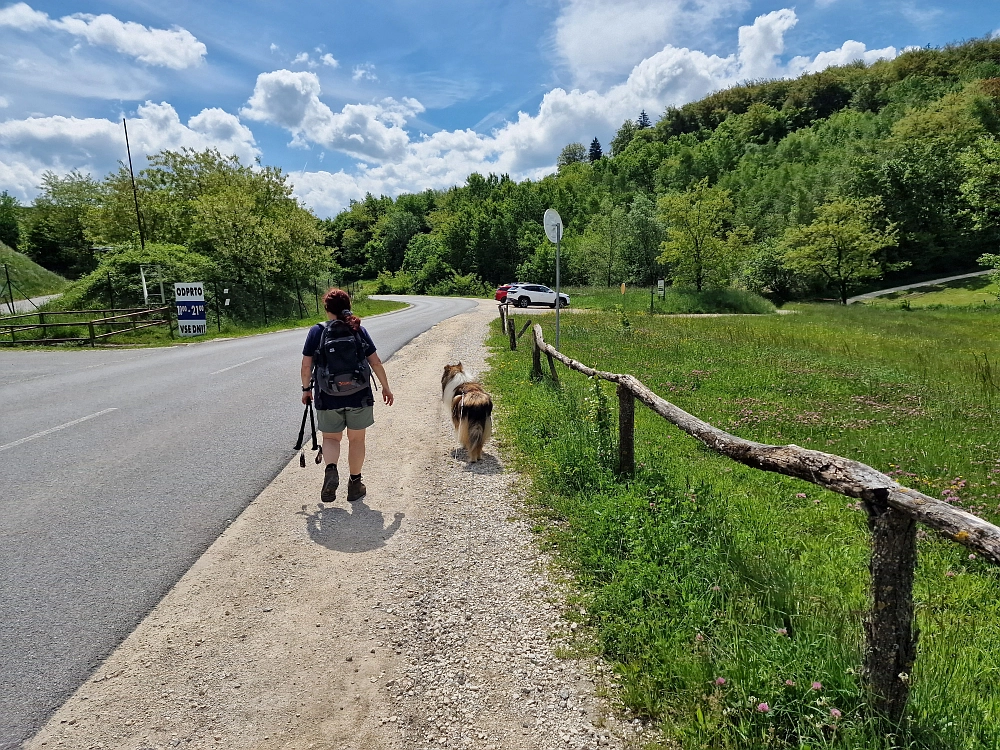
523	295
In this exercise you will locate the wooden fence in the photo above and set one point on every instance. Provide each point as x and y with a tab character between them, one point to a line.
893	513
109	323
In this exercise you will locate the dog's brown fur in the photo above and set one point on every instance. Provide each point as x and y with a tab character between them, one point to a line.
471	410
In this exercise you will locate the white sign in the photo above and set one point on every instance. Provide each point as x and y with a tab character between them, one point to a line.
659	286
190	301
553	225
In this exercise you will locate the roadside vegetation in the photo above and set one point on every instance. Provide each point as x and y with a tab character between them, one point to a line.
674	301
728	599
28	278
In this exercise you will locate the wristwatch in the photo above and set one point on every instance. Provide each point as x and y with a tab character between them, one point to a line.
306	388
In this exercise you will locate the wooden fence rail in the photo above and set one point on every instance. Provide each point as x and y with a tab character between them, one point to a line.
119	321
893	510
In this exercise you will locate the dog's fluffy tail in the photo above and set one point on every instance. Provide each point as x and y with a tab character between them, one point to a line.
471	413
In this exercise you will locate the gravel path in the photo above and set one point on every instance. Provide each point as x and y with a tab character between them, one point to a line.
422	617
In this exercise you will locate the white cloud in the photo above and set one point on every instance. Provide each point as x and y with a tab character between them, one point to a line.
598	40
33	145
4	102
527	146
329	59
172	48
366	131
366	71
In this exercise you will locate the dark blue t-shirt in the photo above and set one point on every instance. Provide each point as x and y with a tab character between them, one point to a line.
325	401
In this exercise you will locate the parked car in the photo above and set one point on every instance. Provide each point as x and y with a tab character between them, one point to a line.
523	295
501	294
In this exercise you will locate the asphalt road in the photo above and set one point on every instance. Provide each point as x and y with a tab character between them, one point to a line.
932	282
118	469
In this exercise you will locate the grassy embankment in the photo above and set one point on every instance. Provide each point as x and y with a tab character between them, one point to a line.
29	278
702	571
159	336
674	302
978	291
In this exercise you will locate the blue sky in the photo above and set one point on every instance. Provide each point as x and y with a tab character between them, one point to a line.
402	95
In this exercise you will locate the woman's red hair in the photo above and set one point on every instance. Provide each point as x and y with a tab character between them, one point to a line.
338	302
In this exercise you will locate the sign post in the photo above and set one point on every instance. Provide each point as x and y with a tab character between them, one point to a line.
554	231
190	301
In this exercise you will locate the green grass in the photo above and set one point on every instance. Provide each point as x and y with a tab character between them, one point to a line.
29	279
702	568
674	302
978	291
159	335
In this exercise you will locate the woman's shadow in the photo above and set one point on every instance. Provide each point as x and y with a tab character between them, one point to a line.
357	528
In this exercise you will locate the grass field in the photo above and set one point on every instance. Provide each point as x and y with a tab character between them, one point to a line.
159	336
29	279
716	589
975	292
674	301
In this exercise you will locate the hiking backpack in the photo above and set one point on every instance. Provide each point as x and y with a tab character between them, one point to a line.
340	367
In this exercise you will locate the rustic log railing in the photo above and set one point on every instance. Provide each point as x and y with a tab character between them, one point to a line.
893	511
115	323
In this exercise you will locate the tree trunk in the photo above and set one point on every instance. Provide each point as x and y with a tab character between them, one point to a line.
891	639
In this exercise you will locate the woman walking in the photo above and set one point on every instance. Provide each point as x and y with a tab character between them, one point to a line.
338	359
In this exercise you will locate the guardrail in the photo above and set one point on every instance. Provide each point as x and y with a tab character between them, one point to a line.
119	321
893	512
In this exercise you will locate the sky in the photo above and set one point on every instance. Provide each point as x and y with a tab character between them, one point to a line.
399	95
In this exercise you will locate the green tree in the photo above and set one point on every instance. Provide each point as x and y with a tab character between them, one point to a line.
10	234
981	187
595	151
643	235
992	260
602	242
623	137
55	236
840	244
572	153
701	245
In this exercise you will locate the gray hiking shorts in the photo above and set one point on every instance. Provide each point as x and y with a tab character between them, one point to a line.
355	418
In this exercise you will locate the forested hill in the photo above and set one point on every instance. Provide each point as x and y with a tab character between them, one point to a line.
900	155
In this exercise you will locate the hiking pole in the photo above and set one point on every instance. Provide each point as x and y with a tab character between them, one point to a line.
302	434
315	446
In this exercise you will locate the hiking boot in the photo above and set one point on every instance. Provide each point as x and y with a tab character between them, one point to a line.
355	489
330	483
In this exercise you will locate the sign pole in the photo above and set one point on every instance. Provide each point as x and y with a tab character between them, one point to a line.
554	231
558	298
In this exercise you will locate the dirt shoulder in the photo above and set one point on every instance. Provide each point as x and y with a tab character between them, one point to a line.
423	616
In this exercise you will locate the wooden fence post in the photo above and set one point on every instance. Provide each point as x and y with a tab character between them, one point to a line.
90	326
891	641
503	318
536	361
512	332
552	369
626	431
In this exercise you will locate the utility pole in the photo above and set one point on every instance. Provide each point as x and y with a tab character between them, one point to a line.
135	193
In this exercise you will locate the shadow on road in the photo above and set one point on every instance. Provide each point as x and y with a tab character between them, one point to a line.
488	464
356	528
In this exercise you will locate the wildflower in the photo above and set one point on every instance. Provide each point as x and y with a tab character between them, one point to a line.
699	638
972	557
720	681
790	683
782	631
950	574
763	708
835	713
817	686
716	588
800	494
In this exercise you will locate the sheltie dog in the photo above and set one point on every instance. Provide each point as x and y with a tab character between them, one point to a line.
471	409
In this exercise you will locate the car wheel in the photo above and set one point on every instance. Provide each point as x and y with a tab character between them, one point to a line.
523	301
553	305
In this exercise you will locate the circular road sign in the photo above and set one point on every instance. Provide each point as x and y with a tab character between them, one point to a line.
553	225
